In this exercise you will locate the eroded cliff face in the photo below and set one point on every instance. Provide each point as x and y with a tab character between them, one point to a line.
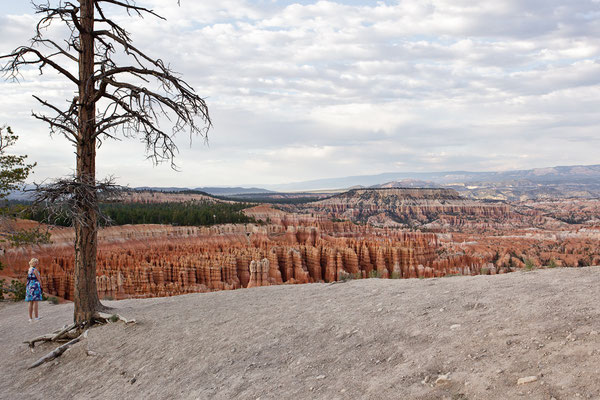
408	207
147	197
156	260
308	246
528	248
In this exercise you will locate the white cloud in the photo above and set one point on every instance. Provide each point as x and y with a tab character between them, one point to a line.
302	91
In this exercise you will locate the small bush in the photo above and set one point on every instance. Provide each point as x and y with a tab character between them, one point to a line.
374	274
29	237
395	275
114	318
583	263
529	265
450	275
53	299
552	264
344	276
17	288
485	271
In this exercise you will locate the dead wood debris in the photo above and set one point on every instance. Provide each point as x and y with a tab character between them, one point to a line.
71	334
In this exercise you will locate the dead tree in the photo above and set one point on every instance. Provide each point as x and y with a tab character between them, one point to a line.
113	99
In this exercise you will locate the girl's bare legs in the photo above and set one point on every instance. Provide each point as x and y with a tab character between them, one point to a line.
35	308
30	310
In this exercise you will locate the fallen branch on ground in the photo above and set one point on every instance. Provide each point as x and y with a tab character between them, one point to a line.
67	333
57	352
72	334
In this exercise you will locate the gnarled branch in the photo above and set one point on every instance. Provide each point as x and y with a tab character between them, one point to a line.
122	104
70	198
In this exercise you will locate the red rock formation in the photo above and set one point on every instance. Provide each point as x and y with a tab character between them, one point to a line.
153	260
259	273
156	260
385	207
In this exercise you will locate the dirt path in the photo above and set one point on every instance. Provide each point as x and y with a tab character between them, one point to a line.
365	339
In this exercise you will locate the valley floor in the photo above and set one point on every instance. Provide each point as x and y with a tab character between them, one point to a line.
364	339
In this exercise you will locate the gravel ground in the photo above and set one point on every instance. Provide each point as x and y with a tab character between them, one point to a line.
455	338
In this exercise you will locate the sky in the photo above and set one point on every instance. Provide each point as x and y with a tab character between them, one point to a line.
302	90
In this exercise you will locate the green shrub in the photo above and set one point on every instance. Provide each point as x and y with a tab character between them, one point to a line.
16	288
583	263
27	237
485	271
374	274
344	276
552	263
450	275
529	265
53	299
395	275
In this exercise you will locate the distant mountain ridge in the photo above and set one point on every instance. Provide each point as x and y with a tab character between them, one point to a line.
228	191
215	191
581	181
536	184
551	175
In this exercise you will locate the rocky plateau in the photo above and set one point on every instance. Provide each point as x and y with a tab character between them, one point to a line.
388	233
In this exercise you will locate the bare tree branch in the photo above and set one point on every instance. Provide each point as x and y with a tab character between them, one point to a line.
65	121
130	6
61	198
131	108
18	59
130	93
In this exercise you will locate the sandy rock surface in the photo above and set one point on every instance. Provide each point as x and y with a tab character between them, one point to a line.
529	335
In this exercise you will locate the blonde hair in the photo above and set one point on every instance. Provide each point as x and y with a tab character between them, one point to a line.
33	262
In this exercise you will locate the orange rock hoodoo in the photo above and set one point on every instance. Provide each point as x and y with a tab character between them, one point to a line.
154	260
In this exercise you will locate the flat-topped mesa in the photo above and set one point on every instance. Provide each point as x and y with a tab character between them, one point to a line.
148	197
404	193
412	207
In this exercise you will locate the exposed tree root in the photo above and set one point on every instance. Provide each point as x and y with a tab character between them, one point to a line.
72	334
64	334
57	352
106	318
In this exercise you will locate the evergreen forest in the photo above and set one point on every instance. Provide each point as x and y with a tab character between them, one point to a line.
183	214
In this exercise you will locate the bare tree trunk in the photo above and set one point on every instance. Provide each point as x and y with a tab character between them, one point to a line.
124	104
86	234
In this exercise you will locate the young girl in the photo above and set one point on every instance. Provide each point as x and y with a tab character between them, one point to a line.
34	289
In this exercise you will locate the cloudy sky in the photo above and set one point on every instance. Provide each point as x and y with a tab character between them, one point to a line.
302	90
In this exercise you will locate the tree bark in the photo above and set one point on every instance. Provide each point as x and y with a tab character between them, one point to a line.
124	104
86	233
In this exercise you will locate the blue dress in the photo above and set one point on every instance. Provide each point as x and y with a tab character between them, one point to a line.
33	291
